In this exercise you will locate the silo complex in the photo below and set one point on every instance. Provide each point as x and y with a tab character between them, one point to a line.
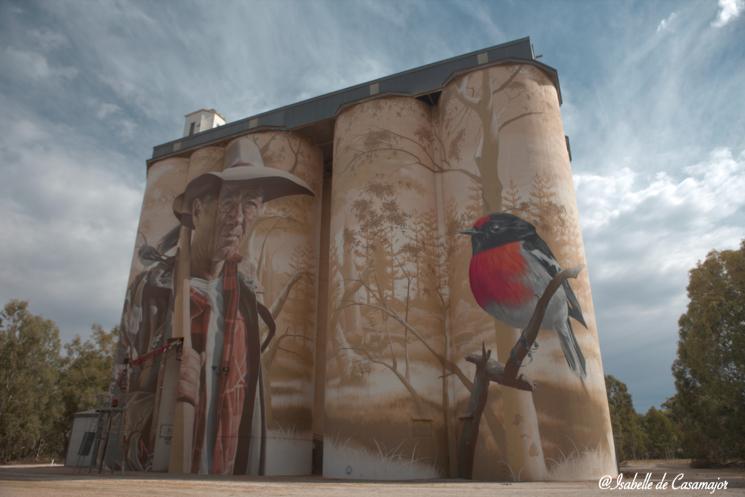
305	295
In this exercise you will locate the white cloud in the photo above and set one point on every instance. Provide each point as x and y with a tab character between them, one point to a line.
643	232
69	203
711	191
33	65
667	23
659	223
633	104
729	10
71	217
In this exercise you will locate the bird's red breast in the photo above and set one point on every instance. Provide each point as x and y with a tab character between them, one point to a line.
496	276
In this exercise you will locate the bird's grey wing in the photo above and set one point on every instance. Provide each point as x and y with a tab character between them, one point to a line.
540	250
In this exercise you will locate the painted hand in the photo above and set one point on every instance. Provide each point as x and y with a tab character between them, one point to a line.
189	374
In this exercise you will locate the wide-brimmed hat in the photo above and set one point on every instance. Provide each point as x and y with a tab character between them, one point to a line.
244	168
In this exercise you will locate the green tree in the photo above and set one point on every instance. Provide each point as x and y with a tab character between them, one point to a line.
628	434
662	435
709	370
29	394
85	373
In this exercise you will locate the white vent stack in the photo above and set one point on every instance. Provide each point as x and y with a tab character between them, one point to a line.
201	120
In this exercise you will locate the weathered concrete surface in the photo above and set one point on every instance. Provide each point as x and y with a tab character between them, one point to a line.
58	481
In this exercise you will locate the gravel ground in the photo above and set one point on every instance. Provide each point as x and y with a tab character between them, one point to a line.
58	481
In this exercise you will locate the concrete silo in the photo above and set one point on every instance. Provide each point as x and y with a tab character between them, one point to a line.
352	222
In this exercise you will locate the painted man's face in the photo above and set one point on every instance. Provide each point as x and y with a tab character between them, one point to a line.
221	222
237	211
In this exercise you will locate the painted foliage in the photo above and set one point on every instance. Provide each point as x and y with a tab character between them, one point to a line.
406	326
219	320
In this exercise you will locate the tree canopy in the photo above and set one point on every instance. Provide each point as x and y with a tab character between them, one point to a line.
29	395
710	367
628	432
41	388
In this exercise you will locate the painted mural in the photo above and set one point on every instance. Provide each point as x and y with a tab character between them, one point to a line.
453	226
427	313
219	321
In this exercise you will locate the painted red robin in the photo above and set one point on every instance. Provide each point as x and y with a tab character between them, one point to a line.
510	268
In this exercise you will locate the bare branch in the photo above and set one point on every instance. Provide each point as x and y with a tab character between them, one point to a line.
508	375
293	335
263	149
406	383
263	219
410	140
530	333
516	118
295	152
294	352
279	302
447	363
508	80
260	259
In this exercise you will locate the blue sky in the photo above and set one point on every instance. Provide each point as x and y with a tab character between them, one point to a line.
654	104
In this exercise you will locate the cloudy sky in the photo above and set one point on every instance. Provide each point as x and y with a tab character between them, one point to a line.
654	104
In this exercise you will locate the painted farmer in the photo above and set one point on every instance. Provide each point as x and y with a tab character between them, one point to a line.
220	372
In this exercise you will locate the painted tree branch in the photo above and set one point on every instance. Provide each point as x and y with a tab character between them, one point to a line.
508	375
279	302
265	148
261	258
530	333
434	167
295	152
393	368
489	370
472	419
492	421
516	118
509	80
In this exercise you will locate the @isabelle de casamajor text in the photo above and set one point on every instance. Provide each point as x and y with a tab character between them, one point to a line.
676	482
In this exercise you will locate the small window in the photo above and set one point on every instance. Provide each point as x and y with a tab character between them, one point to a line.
86	443
191	128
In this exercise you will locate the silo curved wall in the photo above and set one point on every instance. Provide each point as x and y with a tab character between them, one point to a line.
385	416
411	176
506	134
273	258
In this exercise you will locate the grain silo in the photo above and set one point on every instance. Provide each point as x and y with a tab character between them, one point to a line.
304	297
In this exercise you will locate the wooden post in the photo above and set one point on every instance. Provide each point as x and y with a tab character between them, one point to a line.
183	415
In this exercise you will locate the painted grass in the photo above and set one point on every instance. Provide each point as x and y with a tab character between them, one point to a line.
341	459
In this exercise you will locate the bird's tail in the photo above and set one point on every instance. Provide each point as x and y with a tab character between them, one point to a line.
572	352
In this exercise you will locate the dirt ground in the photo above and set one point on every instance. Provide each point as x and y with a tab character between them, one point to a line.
58	481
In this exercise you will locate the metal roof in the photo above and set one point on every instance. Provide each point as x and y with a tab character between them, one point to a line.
315	117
